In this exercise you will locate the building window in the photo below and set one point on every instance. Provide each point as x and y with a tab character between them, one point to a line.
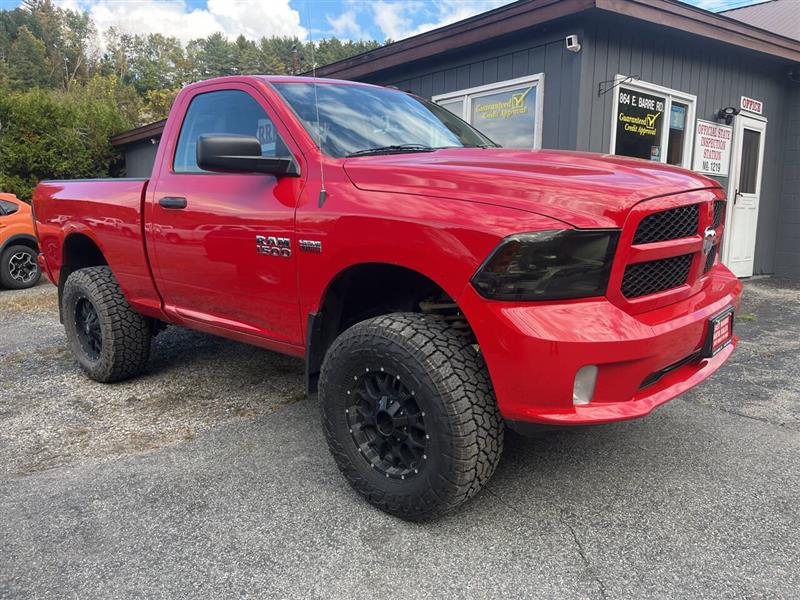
508	112
653	122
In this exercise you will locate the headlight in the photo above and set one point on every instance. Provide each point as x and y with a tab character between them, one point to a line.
548	265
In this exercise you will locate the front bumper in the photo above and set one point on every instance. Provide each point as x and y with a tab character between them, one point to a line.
533	352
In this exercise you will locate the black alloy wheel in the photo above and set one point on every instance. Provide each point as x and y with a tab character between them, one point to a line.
386	424
110	340
87	328
409	414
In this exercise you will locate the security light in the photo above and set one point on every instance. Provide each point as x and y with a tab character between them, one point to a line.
727	114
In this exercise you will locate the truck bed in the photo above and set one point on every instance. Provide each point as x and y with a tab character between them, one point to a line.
103	212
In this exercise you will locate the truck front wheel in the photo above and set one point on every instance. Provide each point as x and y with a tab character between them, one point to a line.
109	339
409	414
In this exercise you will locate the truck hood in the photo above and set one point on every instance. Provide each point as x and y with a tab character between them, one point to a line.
579	188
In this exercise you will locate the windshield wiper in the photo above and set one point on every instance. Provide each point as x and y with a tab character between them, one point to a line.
392	150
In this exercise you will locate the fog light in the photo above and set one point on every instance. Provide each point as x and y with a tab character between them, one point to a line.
583	390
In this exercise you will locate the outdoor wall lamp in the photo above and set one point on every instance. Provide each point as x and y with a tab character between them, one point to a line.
727	113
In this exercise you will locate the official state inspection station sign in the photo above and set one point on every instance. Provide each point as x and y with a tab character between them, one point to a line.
712	148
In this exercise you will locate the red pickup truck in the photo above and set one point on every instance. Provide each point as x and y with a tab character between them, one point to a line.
439	287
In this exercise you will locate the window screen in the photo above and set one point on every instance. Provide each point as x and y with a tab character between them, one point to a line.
748	176
225	112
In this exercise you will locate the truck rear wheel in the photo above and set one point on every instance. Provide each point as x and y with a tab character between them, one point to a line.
409	414
110	340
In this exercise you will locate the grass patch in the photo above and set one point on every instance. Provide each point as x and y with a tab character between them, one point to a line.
28	303
747	317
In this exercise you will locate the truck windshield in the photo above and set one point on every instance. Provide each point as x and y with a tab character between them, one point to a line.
362	120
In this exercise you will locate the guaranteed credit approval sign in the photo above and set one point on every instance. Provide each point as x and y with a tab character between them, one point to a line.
712	148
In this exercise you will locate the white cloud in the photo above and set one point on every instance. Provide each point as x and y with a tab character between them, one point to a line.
393	19
396	19
175	18
346	26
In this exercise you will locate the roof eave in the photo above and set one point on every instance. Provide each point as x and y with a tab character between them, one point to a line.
528	13
144	132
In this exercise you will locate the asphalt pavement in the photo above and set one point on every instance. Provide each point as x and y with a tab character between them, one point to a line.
701	499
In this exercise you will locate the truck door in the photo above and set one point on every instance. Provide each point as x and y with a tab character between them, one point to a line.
222	245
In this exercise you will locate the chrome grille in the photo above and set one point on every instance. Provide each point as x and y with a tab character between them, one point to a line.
671	224
643	279
712	255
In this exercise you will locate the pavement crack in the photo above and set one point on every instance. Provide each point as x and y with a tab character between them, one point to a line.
579	547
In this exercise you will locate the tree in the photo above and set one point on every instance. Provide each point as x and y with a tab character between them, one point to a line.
61	99
27	62
53	134
158	103
78	40
217	56
155	62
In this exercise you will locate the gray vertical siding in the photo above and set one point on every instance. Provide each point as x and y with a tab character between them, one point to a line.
139	158
717	74
536	52
787	254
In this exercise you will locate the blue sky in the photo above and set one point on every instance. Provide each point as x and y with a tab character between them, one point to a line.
307	19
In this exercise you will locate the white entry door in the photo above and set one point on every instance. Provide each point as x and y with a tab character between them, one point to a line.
744	192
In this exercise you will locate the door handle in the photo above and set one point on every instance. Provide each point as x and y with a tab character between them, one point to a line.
172	202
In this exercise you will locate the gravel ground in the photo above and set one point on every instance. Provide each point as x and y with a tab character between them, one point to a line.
52	414
209	477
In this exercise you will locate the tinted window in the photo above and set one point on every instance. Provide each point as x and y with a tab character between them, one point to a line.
749	171
354	118
8	208
224	112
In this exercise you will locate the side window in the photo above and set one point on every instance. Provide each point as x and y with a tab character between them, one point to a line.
8	208
224	112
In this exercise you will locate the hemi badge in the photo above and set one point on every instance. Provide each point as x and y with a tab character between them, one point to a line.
310	246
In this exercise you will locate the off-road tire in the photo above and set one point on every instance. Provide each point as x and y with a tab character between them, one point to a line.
7	279
126	335
453	389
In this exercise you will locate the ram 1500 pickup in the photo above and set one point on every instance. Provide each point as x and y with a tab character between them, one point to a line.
440	288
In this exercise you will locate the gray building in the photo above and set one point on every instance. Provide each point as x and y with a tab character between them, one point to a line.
656	79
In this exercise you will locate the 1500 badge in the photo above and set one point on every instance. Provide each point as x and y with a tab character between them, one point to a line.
274	246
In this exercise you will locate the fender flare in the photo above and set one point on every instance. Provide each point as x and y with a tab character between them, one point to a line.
20	237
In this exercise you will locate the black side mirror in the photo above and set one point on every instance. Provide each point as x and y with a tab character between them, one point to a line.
240	154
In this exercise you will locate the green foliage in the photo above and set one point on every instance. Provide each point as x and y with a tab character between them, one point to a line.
61	99
53	134
27	61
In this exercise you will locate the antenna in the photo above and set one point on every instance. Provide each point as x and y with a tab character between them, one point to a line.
323	194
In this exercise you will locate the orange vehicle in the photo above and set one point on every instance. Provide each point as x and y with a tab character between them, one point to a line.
19	267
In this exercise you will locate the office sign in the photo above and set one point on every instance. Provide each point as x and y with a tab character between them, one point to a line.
751	105
712	148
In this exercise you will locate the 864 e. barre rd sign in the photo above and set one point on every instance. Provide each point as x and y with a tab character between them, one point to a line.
712	148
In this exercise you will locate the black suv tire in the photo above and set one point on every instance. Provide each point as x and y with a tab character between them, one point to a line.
19	267
410	415
110	340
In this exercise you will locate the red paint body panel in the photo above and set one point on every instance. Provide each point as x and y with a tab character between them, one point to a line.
440	214
109	213
534	351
